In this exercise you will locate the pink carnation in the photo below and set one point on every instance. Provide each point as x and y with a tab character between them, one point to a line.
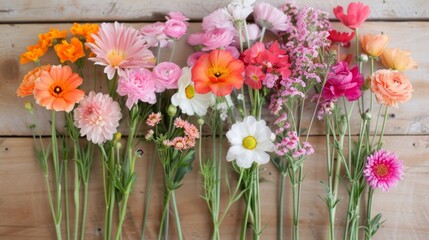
153	119
154	34
343	82
383	170
217	38
137	84
166	75
97	117
175	28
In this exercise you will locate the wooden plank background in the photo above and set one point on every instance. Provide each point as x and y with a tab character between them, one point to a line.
24	212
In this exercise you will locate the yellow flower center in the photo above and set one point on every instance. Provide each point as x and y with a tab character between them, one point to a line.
381	170
115	57
249	142
189	91
217	74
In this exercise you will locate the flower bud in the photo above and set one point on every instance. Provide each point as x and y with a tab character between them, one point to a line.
172	110
363	58
367	83
118	145
366	116
117	137
29	107
200	121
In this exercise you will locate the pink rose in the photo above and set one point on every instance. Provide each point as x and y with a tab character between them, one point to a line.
217	38
175	28
137	84
154	34
195	39
343	82
194	57
177	15
166	76
218	19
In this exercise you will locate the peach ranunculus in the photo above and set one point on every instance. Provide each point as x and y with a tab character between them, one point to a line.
57	89
374	45
70	51
26	87
397	59
391	87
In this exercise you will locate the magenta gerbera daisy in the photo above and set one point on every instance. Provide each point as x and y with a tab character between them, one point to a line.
97	117
118	47
383	170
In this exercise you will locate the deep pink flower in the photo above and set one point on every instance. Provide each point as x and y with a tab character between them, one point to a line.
343	82
250	55
383	170
270	17
97	117
137	84
217	38
254	77
175	28
166	76
357	13
154	34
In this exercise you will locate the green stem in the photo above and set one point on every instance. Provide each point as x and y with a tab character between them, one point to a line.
164	214
281	202
66	191
85	207
173	50
57	178
246	216
176	216
368	213
262	34
123	211
76	199
380	140
256	205
148	190
110	195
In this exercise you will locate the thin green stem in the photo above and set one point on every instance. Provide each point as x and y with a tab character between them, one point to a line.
66	191
246	216
383	127
84	211
148	190
173	50
262	34
57	178
164	214
76	199
281	207
176	216
123	211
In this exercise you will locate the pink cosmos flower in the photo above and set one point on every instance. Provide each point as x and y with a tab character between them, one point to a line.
154	34
217	38
270	17
175	28
166	76
217	19
153	119
343	82
383	170
97	117
193	58
177	15
117	47
195	39
137	84
357	13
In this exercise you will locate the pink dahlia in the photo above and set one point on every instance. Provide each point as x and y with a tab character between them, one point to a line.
270	17
383	170
343	82
97	117
118	48
137	84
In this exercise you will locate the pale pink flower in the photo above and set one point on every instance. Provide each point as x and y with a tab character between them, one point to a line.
195	39
137	84
180	123
166	75
270	17
217	38
177	15
117	48
383	170
193	58
153	119
149	135
154	34
191	131
97	117
175	28
254	31
218	19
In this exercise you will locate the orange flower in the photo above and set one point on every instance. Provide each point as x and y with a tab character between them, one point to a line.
85	31
70	51
374	45
217	72
33	53
391	87
45	39
27	85
57	89
56	33
397	59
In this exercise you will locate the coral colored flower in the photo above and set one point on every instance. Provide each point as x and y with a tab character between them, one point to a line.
153	119
26	87
154	34
191	131
251	54
57	89
270	17
166	76
250	141
33	54
373	45
217	72
343	82
383	170
397	59
138	85
85	30
341	37
97	117
70	51
217	38
391	87
254	76
175	28
118	48
357	13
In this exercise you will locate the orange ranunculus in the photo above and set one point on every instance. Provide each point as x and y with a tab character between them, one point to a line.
33	53
27	85
374	45
217	72
57	89
391	87
70	51
397	59
85	30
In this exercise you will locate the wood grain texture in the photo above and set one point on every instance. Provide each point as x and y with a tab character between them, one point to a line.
24	212
129	10
411	118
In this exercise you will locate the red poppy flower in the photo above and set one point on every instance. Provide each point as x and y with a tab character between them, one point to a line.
357	13
341	37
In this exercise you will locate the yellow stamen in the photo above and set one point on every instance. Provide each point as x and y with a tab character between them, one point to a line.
115	57
190	91
249	142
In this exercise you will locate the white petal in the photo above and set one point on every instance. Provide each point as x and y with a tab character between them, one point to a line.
244	160
261	157
233	151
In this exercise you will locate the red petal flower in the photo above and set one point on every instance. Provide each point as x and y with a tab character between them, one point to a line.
341	37
357	13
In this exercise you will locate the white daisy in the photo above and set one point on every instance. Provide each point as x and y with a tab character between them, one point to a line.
250	141
189	101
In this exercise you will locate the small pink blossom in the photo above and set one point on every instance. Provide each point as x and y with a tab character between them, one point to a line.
153	119
180	123
177	16
279	121
175	28
166	75
149	135
154	34
137	84
218	19
217	38
270	80
191	131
